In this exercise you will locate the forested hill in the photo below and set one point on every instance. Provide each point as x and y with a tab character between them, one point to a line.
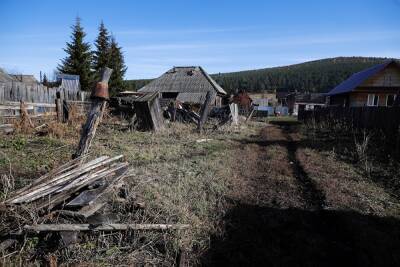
314	76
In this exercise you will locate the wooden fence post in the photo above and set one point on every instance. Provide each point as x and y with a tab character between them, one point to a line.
59	107
100	97
205	110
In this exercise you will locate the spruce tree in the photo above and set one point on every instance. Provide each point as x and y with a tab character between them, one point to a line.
101	55
45	80
79	56
117	63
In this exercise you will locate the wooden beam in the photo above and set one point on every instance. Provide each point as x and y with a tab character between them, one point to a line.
102	227
205	110
95	115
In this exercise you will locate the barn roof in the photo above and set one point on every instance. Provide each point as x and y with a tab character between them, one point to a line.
358	78
189	82
4	77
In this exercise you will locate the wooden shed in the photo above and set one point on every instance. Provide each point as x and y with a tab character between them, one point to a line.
185	84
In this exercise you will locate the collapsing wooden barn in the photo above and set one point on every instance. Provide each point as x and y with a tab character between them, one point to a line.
186	85
148	112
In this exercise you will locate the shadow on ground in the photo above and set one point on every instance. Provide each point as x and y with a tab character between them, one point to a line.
262	236
258	234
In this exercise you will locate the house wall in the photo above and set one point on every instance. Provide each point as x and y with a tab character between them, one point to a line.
359	99
390	76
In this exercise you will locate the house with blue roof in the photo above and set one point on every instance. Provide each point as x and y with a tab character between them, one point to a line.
373	87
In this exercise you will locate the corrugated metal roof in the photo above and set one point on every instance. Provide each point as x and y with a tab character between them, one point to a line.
70	82
183	80
70	85
358	78
63	76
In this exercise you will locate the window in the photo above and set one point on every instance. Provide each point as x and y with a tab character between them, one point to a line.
390	100
373	100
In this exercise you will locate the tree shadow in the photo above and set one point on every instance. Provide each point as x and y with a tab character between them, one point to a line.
264	236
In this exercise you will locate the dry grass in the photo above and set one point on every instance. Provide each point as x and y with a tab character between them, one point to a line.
176	179
243	174
344	187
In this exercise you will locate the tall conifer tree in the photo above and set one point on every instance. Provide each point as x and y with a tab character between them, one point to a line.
117	63
101	56
79	56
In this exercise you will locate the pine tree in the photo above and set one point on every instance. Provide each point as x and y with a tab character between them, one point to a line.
101	55
45	80
79	56
117	63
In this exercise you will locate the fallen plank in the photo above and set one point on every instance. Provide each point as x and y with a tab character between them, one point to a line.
55	200
101	198
6	244
63	168
102	227
43	189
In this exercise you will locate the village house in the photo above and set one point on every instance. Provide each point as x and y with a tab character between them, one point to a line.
186	85
376	86
308	101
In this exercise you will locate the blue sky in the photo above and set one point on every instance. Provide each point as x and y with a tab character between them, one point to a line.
219	35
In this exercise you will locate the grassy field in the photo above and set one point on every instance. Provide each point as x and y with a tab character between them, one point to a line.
261	194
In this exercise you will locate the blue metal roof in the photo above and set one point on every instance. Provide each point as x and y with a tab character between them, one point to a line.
63	76
358	78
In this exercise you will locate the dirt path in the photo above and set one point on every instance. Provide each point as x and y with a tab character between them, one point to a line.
312	195
279	215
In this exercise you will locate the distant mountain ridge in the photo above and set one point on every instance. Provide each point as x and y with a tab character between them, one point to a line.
313	76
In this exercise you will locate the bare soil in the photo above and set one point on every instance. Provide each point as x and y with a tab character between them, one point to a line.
292	205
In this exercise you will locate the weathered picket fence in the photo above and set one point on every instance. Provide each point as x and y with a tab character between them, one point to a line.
39	100
37	93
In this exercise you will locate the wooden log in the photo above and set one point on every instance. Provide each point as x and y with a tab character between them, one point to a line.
94	117
205	110
102	227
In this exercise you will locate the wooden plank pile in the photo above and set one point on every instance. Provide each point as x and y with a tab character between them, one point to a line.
74	186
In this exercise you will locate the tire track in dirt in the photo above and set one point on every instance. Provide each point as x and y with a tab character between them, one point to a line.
313	196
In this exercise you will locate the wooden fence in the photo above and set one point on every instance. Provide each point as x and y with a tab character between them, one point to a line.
380	118
10	110
17	91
